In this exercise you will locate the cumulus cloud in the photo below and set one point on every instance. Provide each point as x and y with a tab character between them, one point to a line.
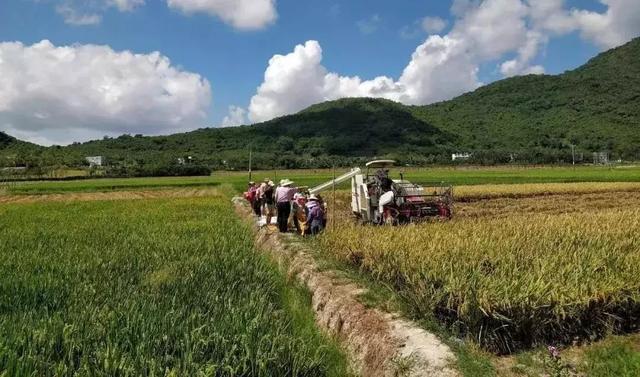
444	66
60	94
242	14
298	79
237	116
440	68
527	52
617	25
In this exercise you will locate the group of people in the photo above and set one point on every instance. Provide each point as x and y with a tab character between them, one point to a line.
288	202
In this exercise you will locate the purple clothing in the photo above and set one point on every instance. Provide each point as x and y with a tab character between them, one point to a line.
285	194
315	214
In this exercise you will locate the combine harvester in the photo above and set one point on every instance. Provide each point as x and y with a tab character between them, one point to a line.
378	199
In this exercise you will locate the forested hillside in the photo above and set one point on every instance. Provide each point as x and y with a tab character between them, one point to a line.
525	119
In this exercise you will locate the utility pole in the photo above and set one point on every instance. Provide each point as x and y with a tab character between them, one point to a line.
573	154
250	157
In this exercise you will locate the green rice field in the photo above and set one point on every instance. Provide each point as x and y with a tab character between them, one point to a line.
148	288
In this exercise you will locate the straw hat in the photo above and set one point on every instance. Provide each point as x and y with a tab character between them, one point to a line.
286	182
313	197
270	183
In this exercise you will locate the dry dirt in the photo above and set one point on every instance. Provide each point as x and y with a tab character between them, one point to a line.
112	195
378	343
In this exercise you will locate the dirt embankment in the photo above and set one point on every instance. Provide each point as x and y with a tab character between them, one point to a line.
378	343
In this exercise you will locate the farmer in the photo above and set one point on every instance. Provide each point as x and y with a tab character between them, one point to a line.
284	196
251	196
261	189
269	201
299	212
255	202
315	215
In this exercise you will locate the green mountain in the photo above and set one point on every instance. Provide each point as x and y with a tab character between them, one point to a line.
533	118
596	107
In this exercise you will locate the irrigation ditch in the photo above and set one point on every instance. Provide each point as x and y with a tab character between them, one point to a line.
378	344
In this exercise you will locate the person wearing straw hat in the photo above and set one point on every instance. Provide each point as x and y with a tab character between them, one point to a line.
315	215
251	196
299	212
269	201
261	189
283	196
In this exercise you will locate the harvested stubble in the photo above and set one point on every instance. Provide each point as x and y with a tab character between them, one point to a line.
161	287
510	282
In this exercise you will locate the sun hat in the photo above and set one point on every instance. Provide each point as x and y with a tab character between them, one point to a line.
313	197
286	182
270	183
252	183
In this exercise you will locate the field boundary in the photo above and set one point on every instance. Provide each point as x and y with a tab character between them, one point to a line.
8	198
378	343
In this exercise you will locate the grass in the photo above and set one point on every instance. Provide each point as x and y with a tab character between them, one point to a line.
617	357
148	288
613	356
509	282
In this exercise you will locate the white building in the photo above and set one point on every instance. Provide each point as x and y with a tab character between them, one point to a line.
95	160
460	156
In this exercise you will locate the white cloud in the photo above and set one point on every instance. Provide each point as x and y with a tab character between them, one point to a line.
237	116
617	25
242	14
70	93
369	25
125	5
527	52
89	12
442	67
433	25
73	17
429	25
298	79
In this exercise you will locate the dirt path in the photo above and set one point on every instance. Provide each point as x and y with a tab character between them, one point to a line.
111	195
378	343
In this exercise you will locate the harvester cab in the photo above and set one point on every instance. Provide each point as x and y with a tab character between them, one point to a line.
379	199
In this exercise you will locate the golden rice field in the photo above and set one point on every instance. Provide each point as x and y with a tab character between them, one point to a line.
475	192
563	264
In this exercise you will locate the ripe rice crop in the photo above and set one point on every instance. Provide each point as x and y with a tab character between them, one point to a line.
468	193
160	287
510	282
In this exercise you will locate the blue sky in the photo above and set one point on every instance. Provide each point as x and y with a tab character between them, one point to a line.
364	38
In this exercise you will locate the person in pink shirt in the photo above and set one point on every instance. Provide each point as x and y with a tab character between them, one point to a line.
284	195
